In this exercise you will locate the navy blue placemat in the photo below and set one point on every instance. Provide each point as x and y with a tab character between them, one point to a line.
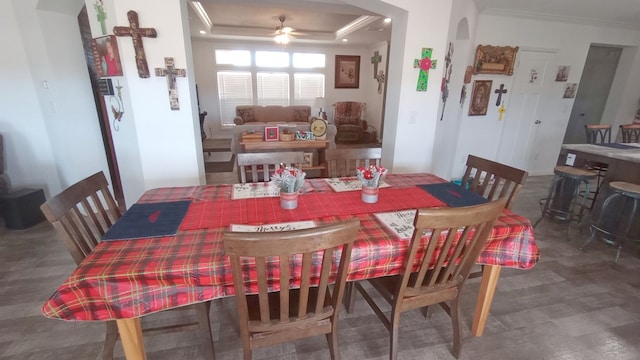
619	146
453	195
149	220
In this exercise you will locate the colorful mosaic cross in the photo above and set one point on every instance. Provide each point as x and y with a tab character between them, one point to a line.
425	64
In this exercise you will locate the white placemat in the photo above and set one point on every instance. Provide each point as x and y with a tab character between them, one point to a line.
254	190
398	222
287	226
349	184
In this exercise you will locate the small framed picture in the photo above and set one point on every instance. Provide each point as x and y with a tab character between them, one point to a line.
271	133
480	97
563	73
106	56
308	159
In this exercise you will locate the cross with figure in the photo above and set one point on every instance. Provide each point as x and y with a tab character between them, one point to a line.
136	35
171	72
375	59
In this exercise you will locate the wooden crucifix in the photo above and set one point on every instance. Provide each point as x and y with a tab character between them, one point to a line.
425	64
500	91
136	35
375	59
171	72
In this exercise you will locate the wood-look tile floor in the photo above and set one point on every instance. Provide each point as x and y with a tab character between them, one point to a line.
572	305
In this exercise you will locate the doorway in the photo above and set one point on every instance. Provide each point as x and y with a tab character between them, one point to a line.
595	84
526	133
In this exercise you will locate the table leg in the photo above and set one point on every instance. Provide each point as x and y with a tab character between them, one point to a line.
349	297
131	336
490	276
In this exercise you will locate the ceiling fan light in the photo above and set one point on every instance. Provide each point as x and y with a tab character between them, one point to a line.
282	39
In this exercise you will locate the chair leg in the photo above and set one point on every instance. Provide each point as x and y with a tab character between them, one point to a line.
457	328
332	340
110	339
202	312
395	324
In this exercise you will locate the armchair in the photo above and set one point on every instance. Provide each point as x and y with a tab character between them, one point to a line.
349	123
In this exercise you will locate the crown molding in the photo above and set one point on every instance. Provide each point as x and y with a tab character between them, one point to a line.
560	18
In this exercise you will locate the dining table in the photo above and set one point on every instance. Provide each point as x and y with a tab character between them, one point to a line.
129	275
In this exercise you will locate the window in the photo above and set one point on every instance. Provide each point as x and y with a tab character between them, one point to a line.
273	88
274	78
234	88
307	87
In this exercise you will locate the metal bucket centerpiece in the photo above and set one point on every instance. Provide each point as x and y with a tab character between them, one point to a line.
370	178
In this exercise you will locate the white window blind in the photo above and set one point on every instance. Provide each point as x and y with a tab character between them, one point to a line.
273	88
234	88
307	87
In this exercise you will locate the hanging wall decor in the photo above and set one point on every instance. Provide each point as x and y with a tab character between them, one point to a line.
467	74
136	34
375	60
563	73
495	59
444	87
101	15
424	64
380	78
463	94
106	56
347	72
570	91
117	107
501	111
480	97
500	91
171	72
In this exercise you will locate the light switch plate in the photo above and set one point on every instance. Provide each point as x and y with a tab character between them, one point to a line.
571	158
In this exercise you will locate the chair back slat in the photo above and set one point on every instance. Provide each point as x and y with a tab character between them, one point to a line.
317	257
82	214
630	133
266	163
493	180
598	133
343	162
464	229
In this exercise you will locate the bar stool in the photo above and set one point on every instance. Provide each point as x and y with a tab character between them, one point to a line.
597	134
630	133
620	191
564	194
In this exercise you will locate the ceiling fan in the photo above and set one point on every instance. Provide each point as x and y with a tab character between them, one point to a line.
284	34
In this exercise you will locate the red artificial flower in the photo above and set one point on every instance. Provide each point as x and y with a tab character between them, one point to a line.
425	64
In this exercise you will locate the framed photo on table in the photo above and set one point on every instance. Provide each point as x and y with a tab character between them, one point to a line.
271	133
307	161
480	97
347	72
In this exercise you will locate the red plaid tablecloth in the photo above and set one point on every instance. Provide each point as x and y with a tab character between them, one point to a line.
132	278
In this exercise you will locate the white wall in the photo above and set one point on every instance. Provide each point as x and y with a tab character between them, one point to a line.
572	41
50	133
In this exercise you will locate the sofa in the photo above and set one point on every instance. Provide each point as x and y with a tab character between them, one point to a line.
255	114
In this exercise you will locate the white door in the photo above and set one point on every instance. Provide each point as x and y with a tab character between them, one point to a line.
525	125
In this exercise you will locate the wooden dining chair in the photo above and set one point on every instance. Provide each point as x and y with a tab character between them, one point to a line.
81	215
449	241
343	162
597	134
307	262
257	164
493	180
630	133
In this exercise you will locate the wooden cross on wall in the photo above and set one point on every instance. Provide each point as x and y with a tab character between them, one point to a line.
136	35
500	91
425	64
171	72
375	59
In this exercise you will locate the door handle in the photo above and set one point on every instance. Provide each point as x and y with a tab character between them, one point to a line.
538	122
